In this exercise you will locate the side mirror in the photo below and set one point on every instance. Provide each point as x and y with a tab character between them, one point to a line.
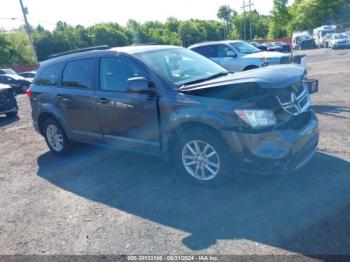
138	85
231	54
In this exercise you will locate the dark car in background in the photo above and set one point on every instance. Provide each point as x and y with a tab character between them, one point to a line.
307	43
19	83
173	102
29	74
8	103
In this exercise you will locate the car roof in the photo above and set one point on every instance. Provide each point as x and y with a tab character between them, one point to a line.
215	43
131	50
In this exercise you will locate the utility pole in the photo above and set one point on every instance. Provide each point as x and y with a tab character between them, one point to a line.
243	7
28	30
249	5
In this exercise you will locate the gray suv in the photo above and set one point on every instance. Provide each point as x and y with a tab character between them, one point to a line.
175	103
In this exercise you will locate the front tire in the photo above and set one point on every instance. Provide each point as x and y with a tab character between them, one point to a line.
203	156
55	137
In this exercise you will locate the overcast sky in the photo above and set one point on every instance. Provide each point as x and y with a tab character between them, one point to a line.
88	12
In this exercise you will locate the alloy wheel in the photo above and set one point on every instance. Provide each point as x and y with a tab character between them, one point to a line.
54	137
201	160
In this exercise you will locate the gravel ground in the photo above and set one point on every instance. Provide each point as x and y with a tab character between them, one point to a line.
101	201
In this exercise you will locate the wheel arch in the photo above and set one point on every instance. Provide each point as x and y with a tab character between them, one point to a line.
183	127
250	67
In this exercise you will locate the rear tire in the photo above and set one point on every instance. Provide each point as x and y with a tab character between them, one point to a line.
202	155
55	137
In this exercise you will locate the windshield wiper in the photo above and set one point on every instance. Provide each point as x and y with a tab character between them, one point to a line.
205	79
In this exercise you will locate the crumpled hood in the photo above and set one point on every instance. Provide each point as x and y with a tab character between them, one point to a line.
273	77
266	54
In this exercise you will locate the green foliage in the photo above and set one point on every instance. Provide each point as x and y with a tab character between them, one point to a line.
15	49
279	19
260	25
226	13
283	20
308	14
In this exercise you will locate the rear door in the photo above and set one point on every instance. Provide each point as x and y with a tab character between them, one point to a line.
129	120
75	99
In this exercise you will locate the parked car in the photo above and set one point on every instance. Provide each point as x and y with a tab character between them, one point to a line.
276	47
176	103
238	55
339	41
319	34
8	103
7	71
29	75
19	83
297	37
307	43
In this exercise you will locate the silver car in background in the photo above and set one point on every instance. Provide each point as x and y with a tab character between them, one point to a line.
238	55
339	41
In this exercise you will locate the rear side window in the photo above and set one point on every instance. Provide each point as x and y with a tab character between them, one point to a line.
115	72
207	51
78	74
49	76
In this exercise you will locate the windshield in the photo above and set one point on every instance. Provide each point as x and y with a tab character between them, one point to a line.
8	71
245	48
181	66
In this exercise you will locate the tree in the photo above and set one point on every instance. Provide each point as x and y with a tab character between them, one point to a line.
191	33
260	25
225	13
107	34
15	49
279	20
313	13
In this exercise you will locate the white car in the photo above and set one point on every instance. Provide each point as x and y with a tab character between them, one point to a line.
340	41
239	55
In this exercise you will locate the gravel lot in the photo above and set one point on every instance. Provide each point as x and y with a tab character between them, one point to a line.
101	201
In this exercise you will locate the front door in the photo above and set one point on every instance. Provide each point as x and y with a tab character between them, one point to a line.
129	120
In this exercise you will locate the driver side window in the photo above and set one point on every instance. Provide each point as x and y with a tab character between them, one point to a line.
223	50
115	72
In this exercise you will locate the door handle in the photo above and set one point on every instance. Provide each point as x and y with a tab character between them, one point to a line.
102	100
61	97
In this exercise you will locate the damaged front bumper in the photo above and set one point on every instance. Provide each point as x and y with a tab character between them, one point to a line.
277	151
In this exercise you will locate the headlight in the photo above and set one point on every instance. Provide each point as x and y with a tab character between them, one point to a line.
257	118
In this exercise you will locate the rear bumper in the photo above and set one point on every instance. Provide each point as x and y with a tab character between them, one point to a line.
278	151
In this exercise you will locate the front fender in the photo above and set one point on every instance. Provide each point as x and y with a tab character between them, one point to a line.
193	117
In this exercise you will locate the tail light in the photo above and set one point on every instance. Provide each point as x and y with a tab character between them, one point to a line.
29	93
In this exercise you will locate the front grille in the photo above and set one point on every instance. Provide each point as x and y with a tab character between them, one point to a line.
295	100
285	60
298	122
7	101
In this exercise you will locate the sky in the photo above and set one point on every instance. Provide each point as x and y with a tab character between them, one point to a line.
88	12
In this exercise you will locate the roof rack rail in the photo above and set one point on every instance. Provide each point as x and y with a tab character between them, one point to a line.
80	50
